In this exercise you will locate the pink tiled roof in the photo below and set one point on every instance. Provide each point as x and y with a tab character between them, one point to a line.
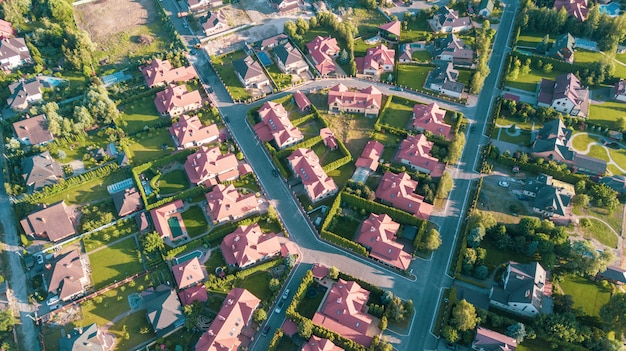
127	201
207	163
369	97
162	214
322	50
306	166
320	344
377	57
67	275
328	137
392	27
370	155
235	314
430	117
277	119
415	150
52	223
158	72
575	8
35	129
6	29
224	202
301	100
193	294
319	271
176	96
398	189
189	273
289	327
343	312
189	131
248	244
378	232
491	340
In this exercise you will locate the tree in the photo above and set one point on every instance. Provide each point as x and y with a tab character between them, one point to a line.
6	320
274	285
153	242
445	185
450	334
259	315
620	123
387	297
344	57
432	240
517	331
547	68
395	309
475	236
586	260
382	325
290	28
485	219
305	328
614	314
455	149
333	273
464	316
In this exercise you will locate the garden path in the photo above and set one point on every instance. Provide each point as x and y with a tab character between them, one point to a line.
586	151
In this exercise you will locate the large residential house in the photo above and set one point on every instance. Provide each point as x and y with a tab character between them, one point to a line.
160	72
485	8
225	203
66	276
390	31
289	59
87	338
452	49
33	130
271	42
248	245
549	198
250	73
13	54
370	156
275	120
522	290
189	273
563	48
344	312
565	94
40	171
285	5
322	51
614	274
206	164
430	118
444	80
127	201
176	100
320	344
399	191
168	221
619	90
415	151
52	223
377	60
163	309
193	294
6	30
214	22
189	132
489	340
233	320
575	8
366	101
447	20
25	93
615	182
306	165
303	103
378	235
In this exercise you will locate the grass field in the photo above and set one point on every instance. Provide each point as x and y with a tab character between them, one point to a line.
529	40
93	190
529	81
606	113
325	155
145	147
398	113
257	284
360	47
117	231
613	219
344	226
366	21
134	322
113	263
522	139
281	79
586	294
600	232
224	66
308	306
139	114
195	221
580	141
422	56
173	182
496	257
413	76
342	174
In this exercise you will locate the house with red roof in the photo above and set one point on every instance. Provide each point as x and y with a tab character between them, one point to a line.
248	245
302	101
320	344
193	294
275	118
231	322
189	273
390	31
225	203
67	276
430	118
206	164
378	234
52	222
127	201
370	156
328	138
415	151
189	132
575	8
176	100
399	191
366	101
565	94
168	221
160	72
322	51
33	130
487	339
377	60
306	165
6	30
319	271
343	312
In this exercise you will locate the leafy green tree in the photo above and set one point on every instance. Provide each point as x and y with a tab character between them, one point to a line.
333	273
432	240
451	334
547	68
153	242
259	315
475	236
517	331
6	320
445	185
305	328
613	314
274	285
382	325
456	148
464	316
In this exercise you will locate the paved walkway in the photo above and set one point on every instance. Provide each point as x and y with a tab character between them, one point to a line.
586	151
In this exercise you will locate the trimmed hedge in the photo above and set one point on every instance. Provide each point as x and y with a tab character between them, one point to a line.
337	164
565	176
343	242
301	120
306	144
181	195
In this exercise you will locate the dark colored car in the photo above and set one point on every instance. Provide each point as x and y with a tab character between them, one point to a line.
274	172
266	330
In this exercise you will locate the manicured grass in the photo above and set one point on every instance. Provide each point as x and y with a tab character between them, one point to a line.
215	260
224	66
606	113
287	344
398	113
173	182
496	257
581	141
344	226
139	114
119	230
465	75
248	182
529	81
523	125
600	232
413	76
325	155
195	221
145	147
114	303
586	294
598	151
522	139
529	40
281	79
307	306
134	323
257	284
586	56
342	174
93	190
422	56
417	30
311	128
114	263
613	219
360	47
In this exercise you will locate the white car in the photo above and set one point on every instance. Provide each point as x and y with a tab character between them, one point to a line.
504	184
286	294
40	259
280	306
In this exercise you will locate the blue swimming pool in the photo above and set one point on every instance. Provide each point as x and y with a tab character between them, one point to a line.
612	9
189	256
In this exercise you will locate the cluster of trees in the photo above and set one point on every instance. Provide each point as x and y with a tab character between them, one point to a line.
96	215
484	37
600	195
462	322
396	310
526	112
474	255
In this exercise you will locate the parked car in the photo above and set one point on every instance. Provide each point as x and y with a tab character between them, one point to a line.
504	184
280	306
266	330
275	174
286	294
397	89
40	259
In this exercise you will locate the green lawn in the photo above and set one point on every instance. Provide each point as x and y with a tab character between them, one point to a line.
580	141
529	81
342	174
287	344
93	190
366	21
613	219
360	47
496	257
139	114
600	232
398	113
134	323
195	221
417	29
308	306
145	147
224	66
465	75
422	56
257	284
344	226
413	76
117	231
606	113
215	260
114	263
522	139
586	294
281	79
173	182
529	40
586	56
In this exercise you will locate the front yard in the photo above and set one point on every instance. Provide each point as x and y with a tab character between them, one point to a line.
114	263
224	66
398	113
413	76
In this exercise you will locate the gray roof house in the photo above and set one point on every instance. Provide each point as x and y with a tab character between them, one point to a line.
163	309
87	338
616	182
40	171
250	73
548	200
565	94
523	290
453	49
485	8
563	48
13	53
489	340
289	59
443	79
24	93
614	274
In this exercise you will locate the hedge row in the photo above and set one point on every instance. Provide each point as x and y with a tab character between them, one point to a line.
343	242
337	164
565	176
301	120
365	285
278	334
306	144
461	245
181	195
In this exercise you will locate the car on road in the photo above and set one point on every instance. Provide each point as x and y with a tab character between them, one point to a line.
286	294
40	259
275	174
266	330
226	119
504	184
397	89
280	306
